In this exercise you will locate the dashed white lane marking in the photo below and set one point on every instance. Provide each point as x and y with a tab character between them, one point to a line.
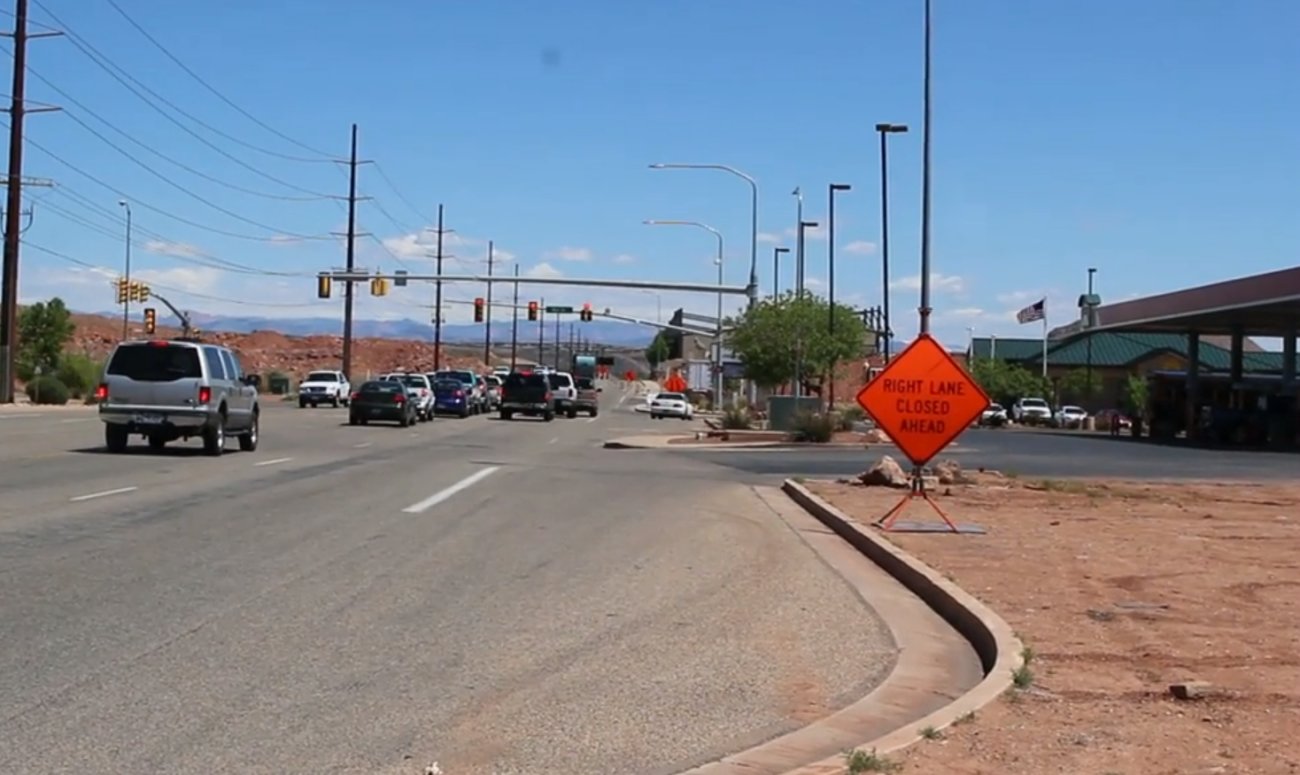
76	420
444	494
362	445
273	461
552	441
102	494
22	416
592	419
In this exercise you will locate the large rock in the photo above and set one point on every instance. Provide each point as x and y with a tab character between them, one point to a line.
885	473
876	436
949	472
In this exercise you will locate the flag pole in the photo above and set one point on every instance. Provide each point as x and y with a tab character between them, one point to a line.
1044	340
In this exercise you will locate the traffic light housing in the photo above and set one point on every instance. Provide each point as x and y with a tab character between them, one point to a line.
478	310
150	320
143	292
586	315
532	310
324	284
123	291
379	287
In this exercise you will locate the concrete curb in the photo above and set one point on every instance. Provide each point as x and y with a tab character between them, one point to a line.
999	650
661	442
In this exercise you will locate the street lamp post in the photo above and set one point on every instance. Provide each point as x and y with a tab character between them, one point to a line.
1088	371
717	340
776	271
885	130
798	245
925	309
799	271
830	260
753	236
126	304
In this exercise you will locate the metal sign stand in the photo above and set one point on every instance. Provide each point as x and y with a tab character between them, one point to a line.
889	522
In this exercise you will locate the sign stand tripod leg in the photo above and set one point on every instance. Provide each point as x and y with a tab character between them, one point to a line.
915	490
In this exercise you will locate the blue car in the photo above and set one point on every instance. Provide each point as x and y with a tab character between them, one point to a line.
451	397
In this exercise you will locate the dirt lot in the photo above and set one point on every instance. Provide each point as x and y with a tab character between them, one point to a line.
1120	590
750	437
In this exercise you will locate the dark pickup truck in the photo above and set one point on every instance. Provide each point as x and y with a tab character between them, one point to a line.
588	396
527	394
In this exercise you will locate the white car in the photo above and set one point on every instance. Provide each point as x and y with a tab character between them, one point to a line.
565	392
671	405
994	415
322	387
1070	417
1031	411
421	391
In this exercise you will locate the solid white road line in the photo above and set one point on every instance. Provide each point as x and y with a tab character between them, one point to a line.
593	419
104	494
69	422
552	441
362	445
20	416
444	494
273	461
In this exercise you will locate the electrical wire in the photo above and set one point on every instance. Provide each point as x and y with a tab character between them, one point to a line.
127	80
324	157
110	273
140	143
393	187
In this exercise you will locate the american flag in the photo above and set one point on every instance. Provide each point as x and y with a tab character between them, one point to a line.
1035	311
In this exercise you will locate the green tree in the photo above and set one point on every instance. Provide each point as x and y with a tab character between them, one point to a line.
1136	395
44	328
1078	385
771	337
1005	382
658	350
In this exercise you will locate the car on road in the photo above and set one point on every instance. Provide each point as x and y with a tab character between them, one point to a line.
492	391
671	405
1070	417
588	400
473	386
529	395
566	394
166	390
421	392
382	399
451	397
993	416
322	387
1031	411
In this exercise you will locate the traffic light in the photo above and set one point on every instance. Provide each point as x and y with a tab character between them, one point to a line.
123	291
323	284
144	292
532	310
478	310
379	287
133	291
150	320
586	316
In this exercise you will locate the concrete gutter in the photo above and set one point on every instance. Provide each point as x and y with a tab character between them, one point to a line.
999	650
661	442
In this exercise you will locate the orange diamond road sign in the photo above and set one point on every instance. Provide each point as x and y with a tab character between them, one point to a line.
923	399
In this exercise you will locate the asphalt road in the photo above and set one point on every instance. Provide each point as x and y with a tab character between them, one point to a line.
1026	453
498	597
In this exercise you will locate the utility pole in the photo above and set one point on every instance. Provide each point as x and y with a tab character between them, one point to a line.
514	324
541	332
573	345
487	333
437	301
557	341
349	291
14	202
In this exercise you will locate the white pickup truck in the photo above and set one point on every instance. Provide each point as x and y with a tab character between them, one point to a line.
323	387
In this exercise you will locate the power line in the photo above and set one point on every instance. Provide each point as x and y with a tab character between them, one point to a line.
424	219
324	156
127	80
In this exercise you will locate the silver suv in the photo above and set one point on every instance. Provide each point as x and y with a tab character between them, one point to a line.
169	390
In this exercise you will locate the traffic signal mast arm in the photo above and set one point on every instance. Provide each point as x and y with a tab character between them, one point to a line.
714	288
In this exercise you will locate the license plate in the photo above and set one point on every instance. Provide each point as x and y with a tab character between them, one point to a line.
148	419
376	410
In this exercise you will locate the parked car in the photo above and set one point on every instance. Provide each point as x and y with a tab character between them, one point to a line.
451	397
1069	417
529	395
473	386
1031	411
382	399
994	416
671	405
1113	419
166	390
321	387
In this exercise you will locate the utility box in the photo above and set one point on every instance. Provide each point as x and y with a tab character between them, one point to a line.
781	410
279	384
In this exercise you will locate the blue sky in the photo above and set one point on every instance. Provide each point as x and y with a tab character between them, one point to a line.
1155	141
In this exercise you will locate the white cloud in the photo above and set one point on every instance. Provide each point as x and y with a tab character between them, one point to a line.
811	233
860	248
568	253
939	282
544	269
190	279
1015	297
624	258
963	313
767	238
177	249
813	282
424	244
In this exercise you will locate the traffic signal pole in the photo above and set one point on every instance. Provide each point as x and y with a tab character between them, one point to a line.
487	331
541	334
514	324
348	292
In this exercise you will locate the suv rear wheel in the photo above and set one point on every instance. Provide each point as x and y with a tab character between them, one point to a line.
214	437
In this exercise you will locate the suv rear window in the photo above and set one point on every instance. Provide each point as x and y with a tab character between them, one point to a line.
561	381
382	386
156	363
526	380
585	384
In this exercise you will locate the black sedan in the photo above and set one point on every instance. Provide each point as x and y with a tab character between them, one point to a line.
387	400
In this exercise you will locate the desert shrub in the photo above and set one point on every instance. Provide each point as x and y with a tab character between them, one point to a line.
79	373
736	419
813	427
47	389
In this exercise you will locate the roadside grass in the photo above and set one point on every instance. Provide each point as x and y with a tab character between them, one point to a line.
858	761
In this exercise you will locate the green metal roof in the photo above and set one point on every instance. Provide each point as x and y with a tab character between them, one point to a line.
1118	350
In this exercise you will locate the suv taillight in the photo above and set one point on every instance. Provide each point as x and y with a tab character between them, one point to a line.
547	397
356	396
205	394
399	399
101	392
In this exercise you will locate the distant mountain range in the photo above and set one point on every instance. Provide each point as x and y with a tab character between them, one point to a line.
599	331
